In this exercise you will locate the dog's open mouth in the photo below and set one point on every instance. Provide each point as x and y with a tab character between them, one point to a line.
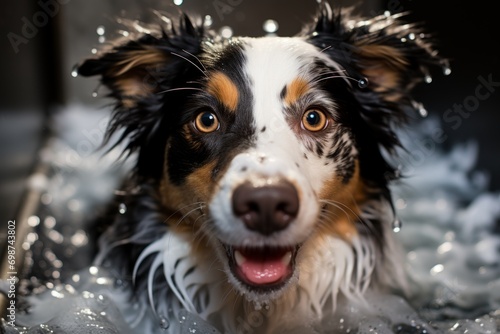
262	268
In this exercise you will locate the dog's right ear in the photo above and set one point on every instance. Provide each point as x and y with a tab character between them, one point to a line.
135	67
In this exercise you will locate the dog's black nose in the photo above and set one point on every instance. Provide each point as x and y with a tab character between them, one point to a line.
266	209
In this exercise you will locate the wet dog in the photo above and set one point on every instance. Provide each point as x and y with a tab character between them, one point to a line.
261	173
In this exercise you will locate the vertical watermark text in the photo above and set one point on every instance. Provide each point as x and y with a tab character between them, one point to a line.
11	273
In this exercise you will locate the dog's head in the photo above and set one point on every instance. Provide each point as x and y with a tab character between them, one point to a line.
262	146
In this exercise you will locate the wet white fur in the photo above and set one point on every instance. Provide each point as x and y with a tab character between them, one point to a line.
327	270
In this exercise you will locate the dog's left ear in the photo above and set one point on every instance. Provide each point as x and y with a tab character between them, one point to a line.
393	56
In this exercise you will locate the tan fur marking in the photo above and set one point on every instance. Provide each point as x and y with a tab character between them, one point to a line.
222	88
348	197
132	77
197	188
383	65
295	90
138	58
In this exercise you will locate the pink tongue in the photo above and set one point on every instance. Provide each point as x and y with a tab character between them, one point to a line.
264	272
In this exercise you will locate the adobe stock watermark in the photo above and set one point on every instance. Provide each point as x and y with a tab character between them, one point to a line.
12	272
427	146
30	27
454	116
225	7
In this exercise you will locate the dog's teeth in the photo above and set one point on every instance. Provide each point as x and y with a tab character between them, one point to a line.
239	258
286	258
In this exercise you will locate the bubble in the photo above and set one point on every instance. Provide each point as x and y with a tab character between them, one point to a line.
446	70
428	79
178	2
93	270
226	32
46	199
101	39
79	238
270	26
400	204
411	36
436	269
33	221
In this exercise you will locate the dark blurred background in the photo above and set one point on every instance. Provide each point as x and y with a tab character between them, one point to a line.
42	40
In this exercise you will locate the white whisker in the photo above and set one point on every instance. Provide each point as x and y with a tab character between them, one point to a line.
198	59
190	61
180	88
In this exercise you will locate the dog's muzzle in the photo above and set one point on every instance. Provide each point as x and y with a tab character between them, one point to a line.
264	209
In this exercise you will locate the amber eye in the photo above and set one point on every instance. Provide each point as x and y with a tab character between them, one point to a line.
206	122
314	120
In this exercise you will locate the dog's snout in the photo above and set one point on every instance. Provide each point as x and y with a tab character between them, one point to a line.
266	209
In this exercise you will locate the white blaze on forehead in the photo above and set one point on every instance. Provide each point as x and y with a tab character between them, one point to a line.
272	63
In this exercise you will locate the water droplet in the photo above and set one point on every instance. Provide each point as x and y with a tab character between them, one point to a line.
387	13
33	221
122	208
446	70
436	269
428	79
421	109
396	225
74	71
101	30
208	21
164	323
178	2
124	33
93	270
270	26
363	83
411	36
403	40
226	32
101	39
93	51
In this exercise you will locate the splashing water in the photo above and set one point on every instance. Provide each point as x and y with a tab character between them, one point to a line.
452	251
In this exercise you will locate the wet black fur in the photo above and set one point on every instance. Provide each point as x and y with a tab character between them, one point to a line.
157	119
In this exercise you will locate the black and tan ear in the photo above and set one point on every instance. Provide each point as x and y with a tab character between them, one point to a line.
130	71
391	54
138	66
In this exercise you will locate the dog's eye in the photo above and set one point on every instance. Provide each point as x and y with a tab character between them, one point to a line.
314	120
206	122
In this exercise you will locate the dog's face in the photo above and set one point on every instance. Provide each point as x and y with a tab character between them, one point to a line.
262	146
